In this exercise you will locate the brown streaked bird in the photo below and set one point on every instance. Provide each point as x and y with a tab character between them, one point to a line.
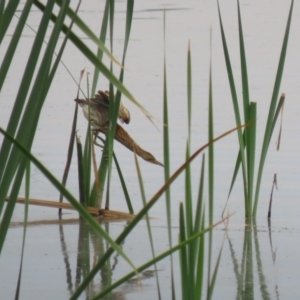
100	122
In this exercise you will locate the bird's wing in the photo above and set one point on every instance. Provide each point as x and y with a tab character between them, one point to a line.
102	98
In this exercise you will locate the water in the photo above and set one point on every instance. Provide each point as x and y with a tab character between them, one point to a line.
45	263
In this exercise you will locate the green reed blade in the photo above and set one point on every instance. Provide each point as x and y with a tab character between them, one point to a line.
166	148
6	62
166	141
113	108
81	174
200	201
248	110
27	193
199	270
235	106
198	245
102	38
189	91
236	170
188	195
184	256
278	110
210	164
211	146
143	196
244	72
251	147
124	187
6	15
188	182
268	130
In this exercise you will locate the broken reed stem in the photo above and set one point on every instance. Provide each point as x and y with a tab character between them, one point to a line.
92	210
271	196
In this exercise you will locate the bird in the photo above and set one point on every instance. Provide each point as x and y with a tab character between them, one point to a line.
99	119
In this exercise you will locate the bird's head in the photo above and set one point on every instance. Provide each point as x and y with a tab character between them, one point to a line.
151	159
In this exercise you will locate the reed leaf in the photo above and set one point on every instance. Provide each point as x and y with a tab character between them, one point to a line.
6	14
27	193
6	62
273	104
184	257
210	165
235	105
81	174
166	147
143	195
102	38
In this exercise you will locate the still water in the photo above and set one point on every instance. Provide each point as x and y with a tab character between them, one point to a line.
55	253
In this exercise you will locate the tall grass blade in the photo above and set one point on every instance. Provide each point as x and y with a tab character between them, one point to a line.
124	187
189	90
210	166
200	262
81	174
27	192
184	256
279	109
113	113
188	186
6	15
251	147
200	202
235	106
102	38
244	72
5	20
166	144
147	221
268	130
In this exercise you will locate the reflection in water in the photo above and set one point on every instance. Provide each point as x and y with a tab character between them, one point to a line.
244	271
90	243
66	258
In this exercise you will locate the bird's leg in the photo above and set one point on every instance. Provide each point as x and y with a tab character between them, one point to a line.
95	136
105	156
